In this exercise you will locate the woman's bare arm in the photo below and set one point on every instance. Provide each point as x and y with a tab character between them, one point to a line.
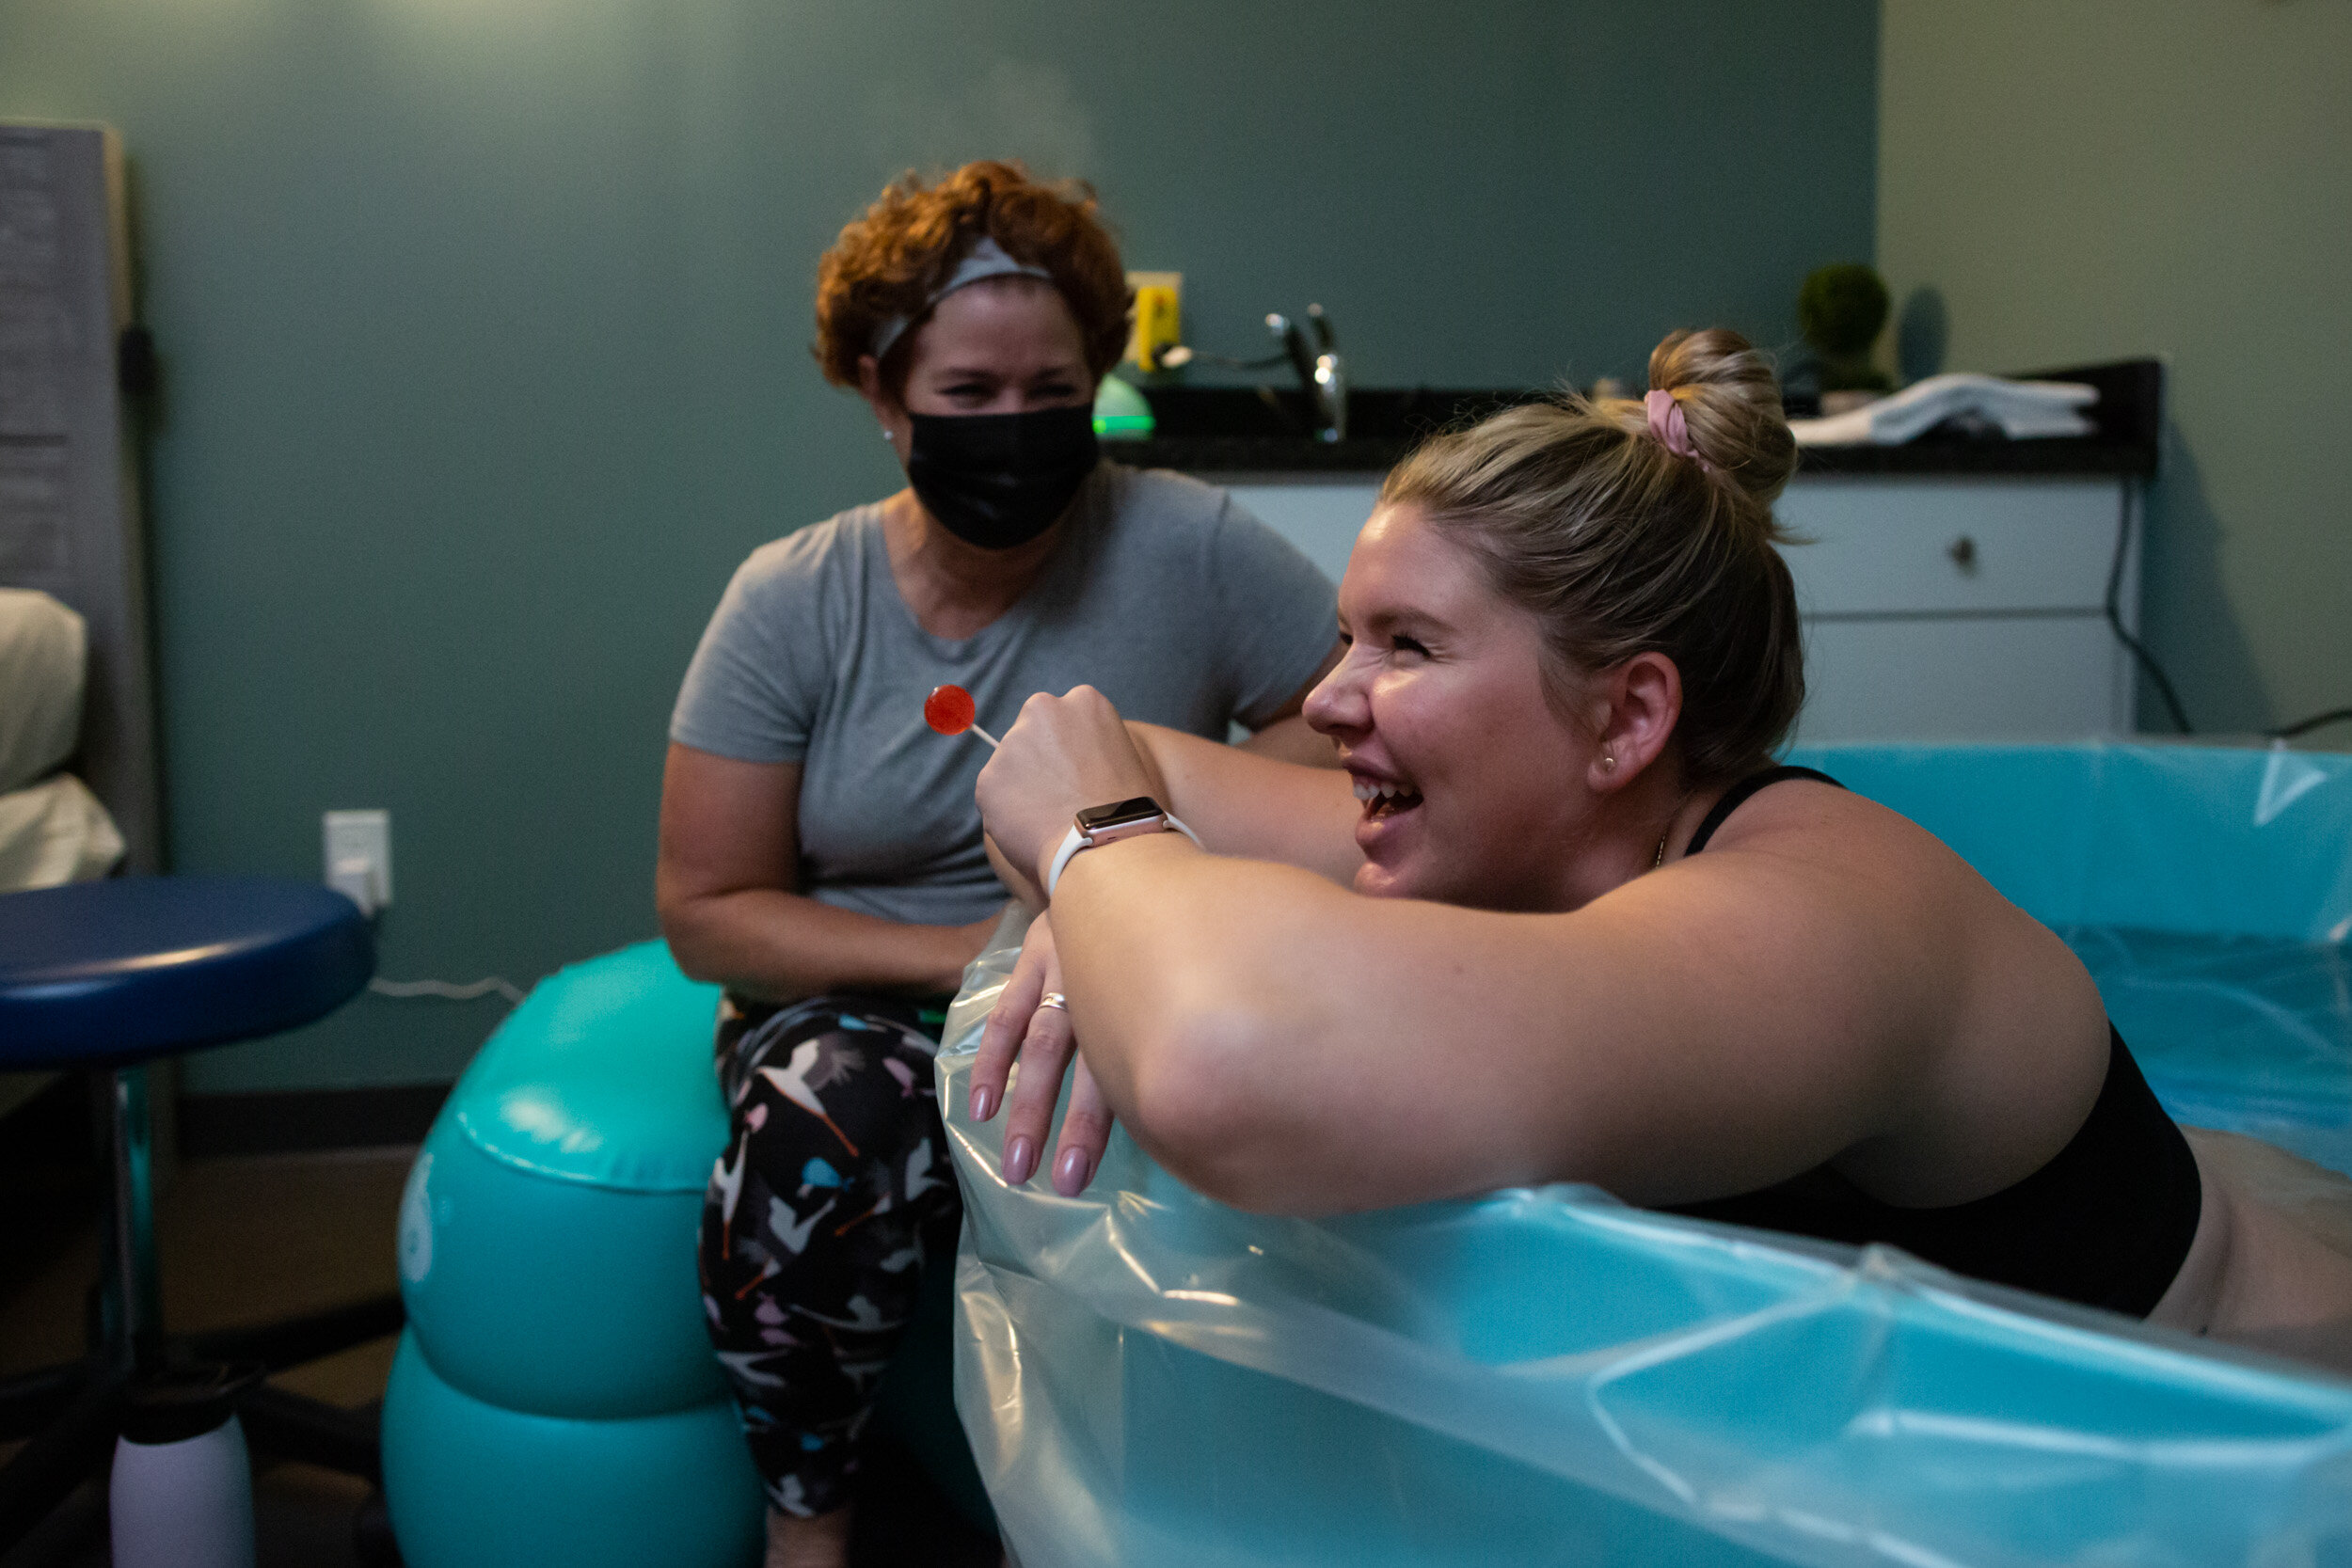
1827	983
1258	807
724	882
1281	1045
1239	802
1290	739
1287	736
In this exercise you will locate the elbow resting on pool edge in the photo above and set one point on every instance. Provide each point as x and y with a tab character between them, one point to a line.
1200	1105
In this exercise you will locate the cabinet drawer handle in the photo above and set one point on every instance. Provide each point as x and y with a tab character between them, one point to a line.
1963	553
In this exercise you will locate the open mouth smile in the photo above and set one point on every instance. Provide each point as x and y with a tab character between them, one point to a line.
1382	798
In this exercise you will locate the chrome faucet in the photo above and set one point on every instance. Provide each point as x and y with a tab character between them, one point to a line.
1323	376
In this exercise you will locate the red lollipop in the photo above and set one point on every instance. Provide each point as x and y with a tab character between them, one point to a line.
948	709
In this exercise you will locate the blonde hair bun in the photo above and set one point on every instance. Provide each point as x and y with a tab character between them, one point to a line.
1730	403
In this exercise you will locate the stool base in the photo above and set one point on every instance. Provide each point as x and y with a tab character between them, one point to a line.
72	1414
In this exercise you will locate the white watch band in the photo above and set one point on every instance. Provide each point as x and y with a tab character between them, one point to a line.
1074	841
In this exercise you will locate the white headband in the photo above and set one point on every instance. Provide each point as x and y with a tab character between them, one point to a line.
986	258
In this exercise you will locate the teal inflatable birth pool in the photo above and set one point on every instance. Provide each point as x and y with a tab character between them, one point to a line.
1153	1381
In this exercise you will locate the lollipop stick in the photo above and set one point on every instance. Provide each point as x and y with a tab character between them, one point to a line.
983	735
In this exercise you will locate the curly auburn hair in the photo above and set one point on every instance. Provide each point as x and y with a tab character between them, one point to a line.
887	262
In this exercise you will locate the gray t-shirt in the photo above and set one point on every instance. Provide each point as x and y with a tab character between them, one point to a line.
1174	602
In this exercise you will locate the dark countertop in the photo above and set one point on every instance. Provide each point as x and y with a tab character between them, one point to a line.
1242	430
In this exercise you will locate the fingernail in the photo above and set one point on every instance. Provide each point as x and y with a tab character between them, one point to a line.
1020	1161
983	1103
1070	1172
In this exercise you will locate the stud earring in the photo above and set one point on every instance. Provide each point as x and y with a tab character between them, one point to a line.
1609	762
885	435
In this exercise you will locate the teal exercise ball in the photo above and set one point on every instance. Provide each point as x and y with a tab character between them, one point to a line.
556	1399
553	1297
547	1233
473	1485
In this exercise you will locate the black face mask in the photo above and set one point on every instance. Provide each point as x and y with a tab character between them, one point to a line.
1000	480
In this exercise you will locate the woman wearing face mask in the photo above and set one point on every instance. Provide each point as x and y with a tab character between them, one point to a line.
1572	925
821	852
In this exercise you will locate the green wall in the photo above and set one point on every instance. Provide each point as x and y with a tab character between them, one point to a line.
483	326
2106	179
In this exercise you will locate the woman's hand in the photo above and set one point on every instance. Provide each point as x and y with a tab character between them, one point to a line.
1042	1038
1062	755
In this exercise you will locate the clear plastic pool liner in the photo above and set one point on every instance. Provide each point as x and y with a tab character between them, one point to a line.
1547	1376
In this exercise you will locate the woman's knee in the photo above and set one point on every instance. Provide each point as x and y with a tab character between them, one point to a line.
824	1087
836	1167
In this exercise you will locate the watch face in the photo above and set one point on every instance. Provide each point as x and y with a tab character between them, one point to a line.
1141	808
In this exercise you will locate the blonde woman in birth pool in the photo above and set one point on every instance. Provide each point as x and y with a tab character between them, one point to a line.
1564	920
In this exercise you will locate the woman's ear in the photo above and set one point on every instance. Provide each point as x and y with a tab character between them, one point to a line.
887	409
1645	702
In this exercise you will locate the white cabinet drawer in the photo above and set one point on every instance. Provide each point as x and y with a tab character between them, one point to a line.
1950	546
1902	641
2024	677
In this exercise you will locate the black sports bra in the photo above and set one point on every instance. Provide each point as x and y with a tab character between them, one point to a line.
2106	1222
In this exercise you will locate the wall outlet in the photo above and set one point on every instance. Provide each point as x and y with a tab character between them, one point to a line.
359	857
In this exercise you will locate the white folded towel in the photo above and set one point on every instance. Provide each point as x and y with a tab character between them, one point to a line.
2023	409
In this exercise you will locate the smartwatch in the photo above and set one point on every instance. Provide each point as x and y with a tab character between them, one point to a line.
1098	825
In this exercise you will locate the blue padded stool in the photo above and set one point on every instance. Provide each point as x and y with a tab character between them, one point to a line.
110	975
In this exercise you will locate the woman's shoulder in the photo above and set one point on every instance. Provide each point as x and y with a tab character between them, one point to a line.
1162	498
1896	904
1176	516
808	558
1812	810
1858	875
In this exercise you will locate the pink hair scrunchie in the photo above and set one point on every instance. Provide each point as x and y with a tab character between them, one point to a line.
1667	423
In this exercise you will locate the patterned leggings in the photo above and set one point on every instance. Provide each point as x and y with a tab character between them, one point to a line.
834	1194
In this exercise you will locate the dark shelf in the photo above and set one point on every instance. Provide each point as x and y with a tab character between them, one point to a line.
1247	429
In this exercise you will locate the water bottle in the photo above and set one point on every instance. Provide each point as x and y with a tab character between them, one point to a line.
181	1495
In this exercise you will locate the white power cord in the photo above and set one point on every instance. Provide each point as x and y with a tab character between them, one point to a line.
448	991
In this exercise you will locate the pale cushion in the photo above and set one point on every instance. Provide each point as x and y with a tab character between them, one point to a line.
54	834
43	651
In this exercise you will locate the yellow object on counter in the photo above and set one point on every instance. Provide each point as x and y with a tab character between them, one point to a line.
1159	317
